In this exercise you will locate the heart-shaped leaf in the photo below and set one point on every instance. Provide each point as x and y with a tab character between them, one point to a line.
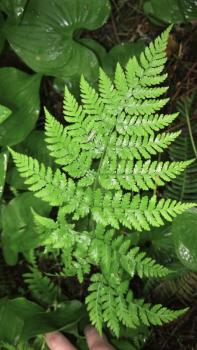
19	92
107	60
18	225
171	11
184	231
44	39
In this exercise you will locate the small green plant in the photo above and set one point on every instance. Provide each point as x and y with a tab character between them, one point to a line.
107	159
170	11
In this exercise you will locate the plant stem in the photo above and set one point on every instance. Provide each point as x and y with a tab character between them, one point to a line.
190	133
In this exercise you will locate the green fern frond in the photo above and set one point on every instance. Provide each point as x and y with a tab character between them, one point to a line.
136	261
139	175
41	287
154	314
47	185
138	212
110	302
137	147
143	125
106	151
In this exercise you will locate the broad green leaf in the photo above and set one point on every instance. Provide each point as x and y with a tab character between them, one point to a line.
107	60
35	146
122	53
119	53
18	225
21	319
13	9
171	11
45	38
3	169
13	316
65	318
184	230
19	92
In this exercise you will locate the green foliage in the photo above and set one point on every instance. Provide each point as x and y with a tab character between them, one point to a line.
13	9
20	93
4	113
34	146
184	231
41	287
182	284
2	38
184	186
51	42
18	234
22	311
104	155
3	168
171	11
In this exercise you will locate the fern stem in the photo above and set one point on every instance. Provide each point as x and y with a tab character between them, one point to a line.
190	133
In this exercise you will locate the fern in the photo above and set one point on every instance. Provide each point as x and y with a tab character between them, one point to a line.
107	148
41	287
183	285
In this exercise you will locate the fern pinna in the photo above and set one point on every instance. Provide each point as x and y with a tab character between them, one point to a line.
104	157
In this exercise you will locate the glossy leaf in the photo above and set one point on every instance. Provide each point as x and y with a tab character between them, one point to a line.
13	9
184	230
16	318
18	225
19	92
35	146
45	37
3	169
171	11
119	53
107	60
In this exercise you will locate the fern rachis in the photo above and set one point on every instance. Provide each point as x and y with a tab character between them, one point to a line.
107	148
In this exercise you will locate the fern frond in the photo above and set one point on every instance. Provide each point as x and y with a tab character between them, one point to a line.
154	314
139	213
136	261
42	181
139	175
184	186
72	111
110	302
107	149
137	147
41	287
143	125
95	308
183	286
